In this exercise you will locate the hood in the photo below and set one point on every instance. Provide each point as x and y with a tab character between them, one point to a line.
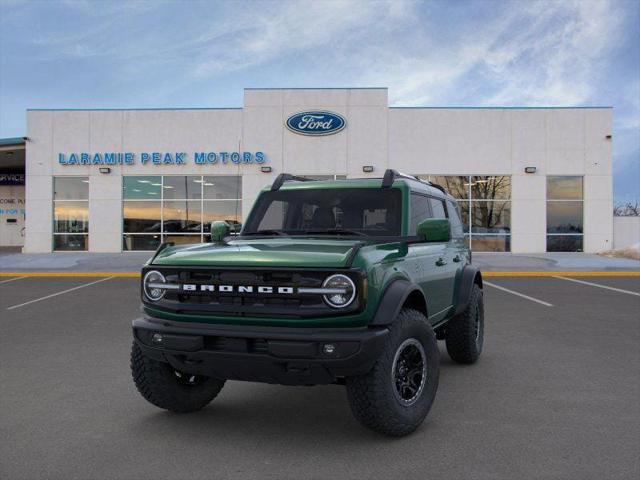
270	252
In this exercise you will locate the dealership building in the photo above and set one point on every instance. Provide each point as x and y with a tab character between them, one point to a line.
527	180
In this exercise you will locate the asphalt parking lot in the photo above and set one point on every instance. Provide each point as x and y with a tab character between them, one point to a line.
556	394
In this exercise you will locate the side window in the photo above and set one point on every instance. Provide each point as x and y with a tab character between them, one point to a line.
420	209
437	206
454	217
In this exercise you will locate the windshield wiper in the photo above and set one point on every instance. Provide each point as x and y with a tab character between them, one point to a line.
267	232
336	231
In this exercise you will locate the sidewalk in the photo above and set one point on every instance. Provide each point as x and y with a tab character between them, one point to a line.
488	262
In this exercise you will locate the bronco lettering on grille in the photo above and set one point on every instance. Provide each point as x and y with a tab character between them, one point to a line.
192	287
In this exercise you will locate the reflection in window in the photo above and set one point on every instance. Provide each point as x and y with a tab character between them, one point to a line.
71	217
491	217
564	188
142	188
141	217
564	243
223	187
62	243
457	186
140	242
182	187
70	213
225	210
420	209
182	216
177	208
491	243
493	187
564	214
70	188
485	207
564	217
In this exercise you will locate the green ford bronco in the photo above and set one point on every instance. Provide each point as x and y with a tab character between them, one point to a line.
349	282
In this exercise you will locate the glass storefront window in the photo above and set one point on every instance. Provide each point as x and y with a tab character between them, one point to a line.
177	208
457	186
564	188
564	214
142	188
227	210
187	187
141	217
182	216
490	187
140	242
491	243
222	187
71	217
564	217
491	217
181	239
70	188
485	208
564	243
65	243
70	213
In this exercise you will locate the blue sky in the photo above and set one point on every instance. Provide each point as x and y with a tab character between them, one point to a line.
108	54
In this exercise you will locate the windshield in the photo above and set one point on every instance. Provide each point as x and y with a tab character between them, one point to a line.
338	211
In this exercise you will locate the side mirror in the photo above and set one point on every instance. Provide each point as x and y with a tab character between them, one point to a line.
219	230
435	229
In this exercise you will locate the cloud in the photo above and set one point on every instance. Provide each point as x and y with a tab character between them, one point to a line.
537	53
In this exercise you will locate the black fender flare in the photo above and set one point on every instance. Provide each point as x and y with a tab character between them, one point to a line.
469	276
392	300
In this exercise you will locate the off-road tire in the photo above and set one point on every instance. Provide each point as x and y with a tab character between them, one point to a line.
464	342
373	396
159	384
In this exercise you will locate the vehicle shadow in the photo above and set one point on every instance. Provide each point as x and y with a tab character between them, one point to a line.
318	414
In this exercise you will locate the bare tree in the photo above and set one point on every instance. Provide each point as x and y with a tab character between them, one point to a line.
628	209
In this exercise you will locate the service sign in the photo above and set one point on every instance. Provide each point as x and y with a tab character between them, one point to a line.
11	178
315	123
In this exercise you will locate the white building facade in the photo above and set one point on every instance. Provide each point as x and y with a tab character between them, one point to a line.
528	180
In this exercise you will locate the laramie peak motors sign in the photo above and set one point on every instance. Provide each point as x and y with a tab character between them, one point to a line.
315	123
160	158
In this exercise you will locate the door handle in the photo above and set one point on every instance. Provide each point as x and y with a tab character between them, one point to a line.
441	262
457	259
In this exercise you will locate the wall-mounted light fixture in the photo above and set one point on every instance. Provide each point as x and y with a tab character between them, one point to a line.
265	169
529	169
105	170
367	168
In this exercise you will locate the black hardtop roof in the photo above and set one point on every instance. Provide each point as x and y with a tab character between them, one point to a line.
390	176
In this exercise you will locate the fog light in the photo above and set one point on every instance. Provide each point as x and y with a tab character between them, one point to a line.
156	338
328	348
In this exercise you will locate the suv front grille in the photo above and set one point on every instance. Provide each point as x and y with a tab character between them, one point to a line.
206	298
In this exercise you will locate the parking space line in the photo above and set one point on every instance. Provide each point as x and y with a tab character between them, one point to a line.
12	279
629	292
522	295
58	293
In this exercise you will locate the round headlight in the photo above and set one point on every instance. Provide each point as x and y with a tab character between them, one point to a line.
151	290
344	291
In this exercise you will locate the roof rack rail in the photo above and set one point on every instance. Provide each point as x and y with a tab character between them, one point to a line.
390	176
439	187
285	177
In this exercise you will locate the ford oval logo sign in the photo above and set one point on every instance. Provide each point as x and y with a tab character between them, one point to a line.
316	123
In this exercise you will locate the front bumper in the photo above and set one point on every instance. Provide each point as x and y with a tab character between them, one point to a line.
284	355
